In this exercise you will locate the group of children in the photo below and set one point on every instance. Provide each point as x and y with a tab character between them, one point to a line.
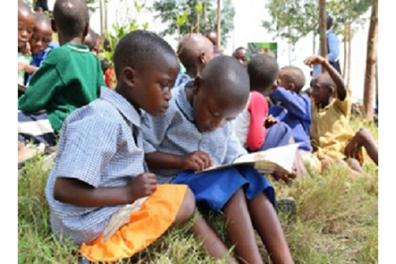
145	142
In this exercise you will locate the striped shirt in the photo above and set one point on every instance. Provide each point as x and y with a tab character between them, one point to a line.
97	147
175	132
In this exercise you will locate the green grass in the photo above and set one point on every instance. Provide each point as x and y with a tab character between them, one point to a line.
336	222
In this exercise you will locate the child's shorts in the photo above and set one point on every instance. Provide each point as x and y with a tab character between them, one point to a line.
146	225
35	127
214	189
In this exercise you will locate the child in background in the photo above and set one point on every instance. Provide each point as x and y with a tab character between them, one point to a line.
26	21
240	55
40	44
332	137
195	133
90	182
194	52
70	77
291	106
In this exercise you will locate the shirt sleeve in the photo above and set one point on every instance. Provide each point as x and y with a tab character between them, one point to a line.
80	156
258	110
154	129
41	89
294	103
334	46
345	105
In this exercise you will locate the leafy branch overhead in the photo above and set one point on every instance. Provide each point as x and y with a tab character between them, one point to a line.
294	19
187	16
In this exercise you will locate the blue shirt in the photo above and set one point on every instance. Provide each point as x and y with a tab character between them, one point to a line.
333	50
175	132
96	146
295	110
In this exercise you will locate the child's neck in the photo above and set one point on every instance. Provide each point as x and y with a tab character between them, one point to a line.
121	89
73	40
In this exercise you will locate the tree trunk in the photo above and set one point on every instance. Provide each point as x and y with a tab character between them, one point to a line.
105	16
348	76
344	68
371	61
101	16
322	28
313	42
219	24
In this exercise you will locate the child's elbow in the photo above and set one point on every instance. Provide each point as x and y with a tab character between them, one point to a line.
60	192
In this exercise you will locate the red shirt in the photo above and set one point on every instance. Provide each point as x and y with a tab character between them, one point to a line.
258	110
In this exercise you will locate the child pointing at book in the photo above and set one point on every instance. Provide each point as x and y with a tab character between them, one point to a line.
195	133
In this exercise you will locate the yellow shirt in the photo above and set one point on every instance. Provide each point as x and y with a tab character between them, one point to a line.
330	129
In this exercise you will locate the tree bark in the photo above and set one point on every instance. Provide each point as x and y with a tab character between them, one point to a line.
344	68
371	61
322	29
348	76
219	24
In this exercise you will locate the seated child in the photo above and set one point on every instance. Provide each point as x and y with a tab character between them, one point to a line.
240	55
90	182
26	21
332	136
92	40
195	133
40	44
291	106
194	52
70	77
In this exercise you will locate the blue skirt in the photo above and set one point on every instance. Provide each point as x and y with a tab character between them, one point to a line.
214	189
277	135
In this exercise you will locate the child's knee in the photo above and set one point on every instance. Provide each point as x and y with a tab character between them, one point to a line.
187	208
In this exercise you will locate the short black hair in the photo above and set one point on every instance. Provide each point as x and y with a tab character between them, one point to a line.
138	49
71	17
329	21
263	70
293	74
227	77
90	39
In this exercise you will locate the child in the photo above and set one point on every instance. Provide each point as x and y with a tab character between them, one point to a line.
240	55
26	21
291	106
69	78
40	44
90	181
194	52
194	134
332	136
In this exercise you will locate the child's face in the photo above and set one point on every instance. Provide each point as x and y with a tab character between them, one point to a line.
151	88
212	111
25	28
41	38
321	92
282	81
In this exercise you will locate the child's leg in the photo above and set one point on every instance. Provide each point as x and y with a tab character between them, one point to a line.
362	138
268	226
240	229
211	242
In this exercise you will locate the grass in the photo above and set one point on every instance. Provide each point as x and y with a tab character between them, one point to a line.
336	221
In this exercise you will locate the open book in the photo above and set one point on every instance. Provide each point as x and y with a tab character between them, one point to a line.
266	161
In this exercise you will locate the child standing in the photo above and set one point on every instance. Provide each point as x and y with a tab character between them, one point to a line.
291	106
194	134
69	78
332	136
90	181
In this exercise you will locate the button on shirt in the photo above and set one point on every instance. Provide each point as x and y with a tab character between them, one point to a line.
97	147
175	132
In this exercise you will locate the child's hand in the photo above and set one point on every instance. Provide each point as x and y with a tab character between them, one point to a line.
314	60
21	66
140	186
197	161
270	121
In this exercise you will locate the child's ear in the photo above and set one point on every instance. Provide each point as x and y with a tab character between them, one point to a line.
197	84
292	86
128	76
53	25
202	58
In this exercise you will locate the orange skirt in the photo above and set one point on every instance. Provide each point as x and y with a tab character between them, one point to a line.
146	225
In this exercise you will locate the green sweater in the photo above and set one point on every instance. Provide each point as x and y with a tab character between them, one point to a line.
69	78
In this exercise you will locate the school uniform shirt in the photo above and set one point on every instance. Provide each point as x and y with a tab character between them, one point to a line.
175	132
330	129
295	110
69	78
25	59
100	144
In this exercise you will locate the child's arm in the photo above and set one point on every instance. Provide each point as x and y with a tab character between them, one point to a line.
79	193
258	110
41	89
337	78
196	161
294	103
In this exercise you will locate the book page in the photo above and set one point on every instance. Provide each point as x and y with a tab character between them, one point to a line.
266	160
